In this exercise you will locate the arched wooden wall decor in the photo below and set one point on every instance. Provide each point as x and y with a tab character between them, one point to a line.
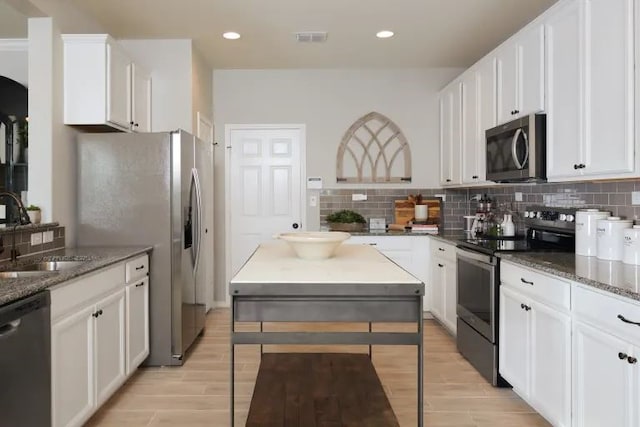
374	150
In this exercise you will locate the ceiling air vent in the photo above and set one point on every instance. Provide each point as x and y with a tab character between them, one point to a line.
311	37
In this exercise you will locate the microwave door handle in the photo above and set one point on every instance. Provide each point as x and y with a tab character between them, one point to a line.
514	152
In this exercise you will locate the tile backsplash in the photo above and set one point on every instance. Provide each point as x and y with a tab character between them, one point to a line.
614	196
23	240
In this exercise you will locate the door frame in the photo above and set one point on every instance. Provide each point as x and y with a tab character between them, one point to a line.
228	128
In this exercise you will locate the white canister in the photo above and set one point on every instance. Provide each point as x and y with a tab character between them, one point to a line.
421	212
631	251
610	232
586	236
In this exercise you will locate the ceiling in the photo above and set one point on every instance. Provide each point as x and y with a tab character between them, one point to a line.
429	33
13	24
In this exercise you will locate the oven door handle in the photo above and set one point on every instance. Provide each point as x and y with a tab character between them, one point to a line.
514	149
485	259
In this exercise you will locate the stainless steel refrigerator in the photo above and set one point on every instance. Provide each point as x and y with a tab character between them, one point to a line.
145	189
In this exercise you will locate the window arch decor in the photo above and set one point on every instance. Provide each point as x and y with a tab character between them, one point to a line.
373	150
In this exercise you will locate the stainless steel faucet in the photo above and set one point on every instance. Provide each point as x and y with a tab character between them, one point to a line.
23	219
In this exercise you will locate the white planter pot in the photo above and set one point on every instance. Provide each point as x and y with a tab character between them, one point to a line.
35	216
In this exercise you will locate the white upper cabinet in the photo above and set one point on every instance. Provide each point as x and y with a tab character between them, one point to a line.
590	90
450	133
520	64
609	97
564	92
103	86
478	115
140	107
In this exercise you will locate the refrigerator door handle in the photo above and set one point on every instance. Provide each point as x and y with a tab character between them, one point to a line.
198	228
194	220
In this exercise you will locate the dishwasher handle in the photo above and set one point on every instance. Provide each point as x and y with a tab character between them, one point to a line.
11	313
9	328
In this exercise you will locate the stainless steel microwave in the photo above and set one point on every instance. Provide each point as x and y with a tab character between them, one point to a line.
516	151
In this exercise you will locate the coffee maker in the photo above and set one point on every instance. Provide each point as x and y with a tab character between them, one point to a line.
483	214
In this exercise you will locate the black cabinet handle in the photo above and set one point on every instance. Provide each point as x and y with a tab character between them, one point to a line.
582	166
526	281
136	125
295	225
373	244
448	180
440	265
622	356
474	177
440	249
516	111
140	284
527	308
575	166
632	360
621	317
131	123
97	313
522	306
139	268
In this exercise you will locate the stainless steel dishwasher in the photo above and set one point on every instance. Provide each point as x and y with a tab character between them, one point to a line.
25	362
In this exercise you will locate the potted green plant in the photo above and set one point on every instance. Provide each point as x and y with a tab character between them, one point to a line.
34	213
346	220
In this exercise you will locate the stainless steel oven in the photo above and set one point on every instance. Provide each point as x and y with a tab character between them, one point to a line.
516	151
477	311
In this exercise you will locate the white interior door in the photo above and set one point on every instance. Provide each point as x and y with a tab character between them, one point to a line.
265	192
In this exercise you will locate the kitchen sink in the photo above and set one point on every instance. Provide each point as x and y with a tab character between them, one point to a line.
19	274
48	266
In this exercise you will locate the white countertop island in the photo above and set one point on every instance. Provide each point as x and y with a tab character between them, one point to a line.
358	284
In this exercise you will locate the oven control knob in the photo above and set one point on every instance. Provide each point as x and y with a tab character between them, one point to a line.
570	218
526	214
562	217
539	215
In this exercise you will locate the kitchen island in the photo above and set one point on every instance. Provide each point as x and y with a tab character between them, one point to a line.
358	284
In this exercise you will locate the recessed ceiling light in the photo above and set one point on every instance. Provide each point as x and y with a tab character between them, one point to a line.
384	34
231	35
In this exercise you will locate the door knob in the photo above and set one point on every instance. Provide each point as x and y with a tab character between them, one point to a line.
622	356
295	225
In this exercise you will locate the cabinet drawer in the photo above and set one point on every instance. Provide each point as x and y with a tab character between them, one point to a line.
443	250
70	295
384	243
544	288
603	312
137	268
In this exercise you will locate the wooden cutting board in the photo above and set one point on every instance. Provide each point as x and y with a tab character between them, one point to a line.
405	211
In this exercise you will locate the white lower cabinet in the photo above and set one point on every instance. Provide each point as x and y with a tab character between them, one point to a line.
72	367
606	360
99	335
137	323
409	252
605	385
443	281
109	345
535	351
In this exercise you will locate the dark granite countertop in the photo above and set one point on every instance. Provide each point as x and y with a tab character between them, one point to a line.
451	236
95	257
610	276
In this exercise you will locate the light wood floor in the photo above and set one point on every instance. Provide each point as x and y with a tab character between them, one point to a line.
197	394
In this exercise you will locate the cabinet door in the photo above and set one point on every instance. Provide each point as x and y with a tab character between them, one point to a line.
530	50
72	363
450	296
565	97
550	388
602	388
456	135
421	263
438	281
514	340
507	83
137	343
118	86
446	131
487	110
610	87
109	345
470	132
140	99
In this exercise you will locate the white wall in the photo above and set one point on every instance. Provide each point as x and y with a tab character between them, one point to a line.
328	102
14	60
202	87
52	154
169	62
